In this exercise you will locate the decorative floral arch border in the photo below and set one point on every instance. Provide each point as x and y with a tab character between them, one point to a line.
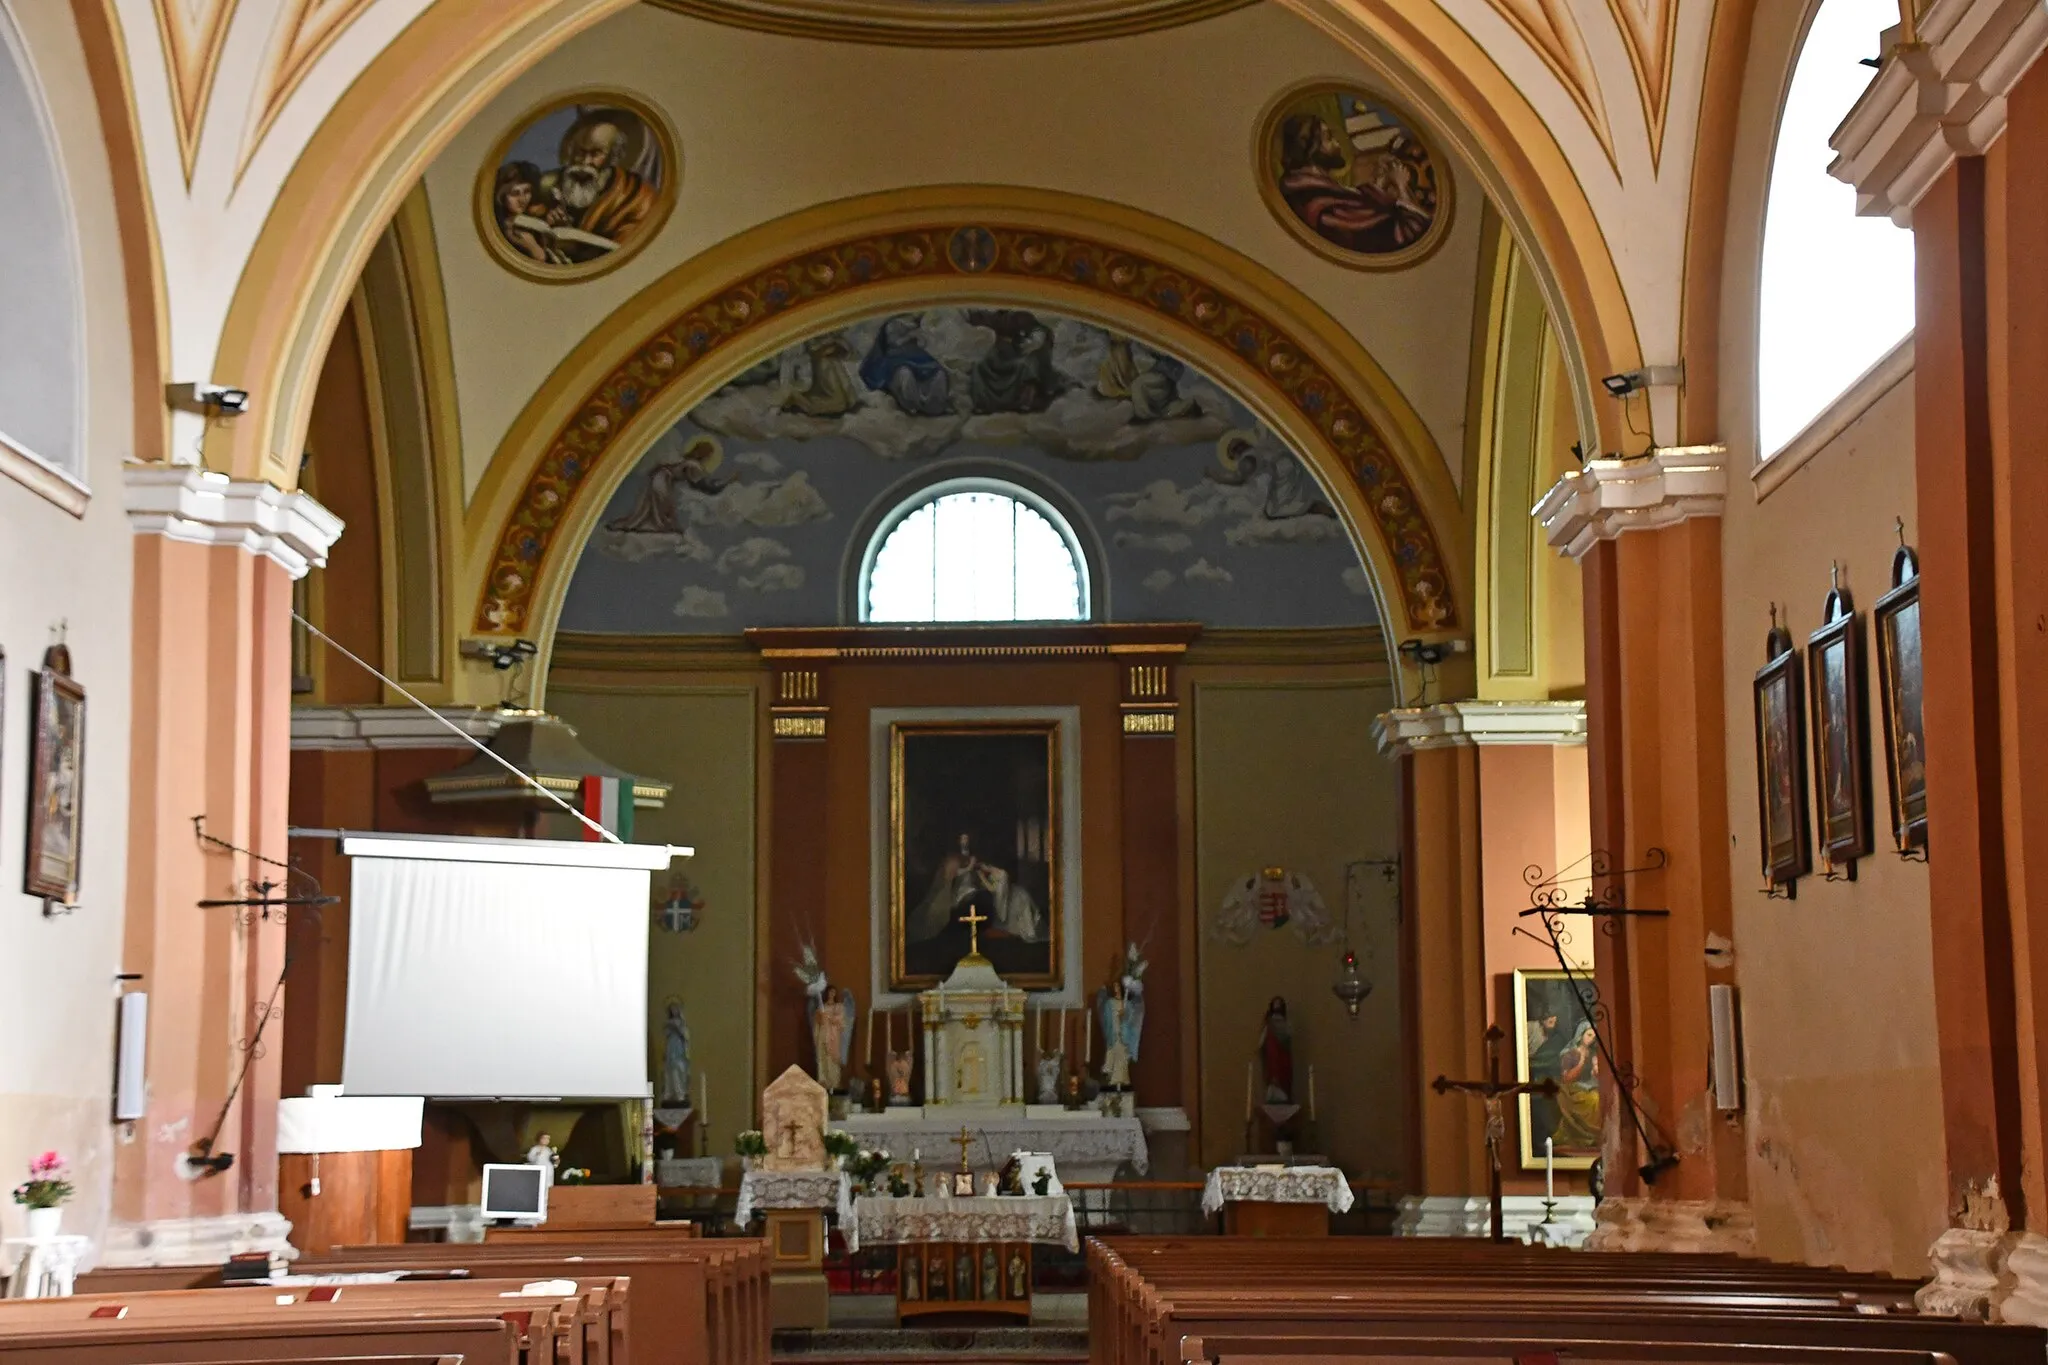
1007	257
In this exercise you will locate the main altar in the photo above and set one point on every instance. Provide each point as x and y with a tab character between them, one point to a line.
974	1068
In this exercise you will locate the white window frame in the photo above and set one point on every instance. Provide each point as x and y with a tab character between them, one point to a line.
930	493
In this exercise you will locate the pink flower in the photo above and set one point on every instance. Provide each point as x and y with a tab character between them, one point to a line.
46	1165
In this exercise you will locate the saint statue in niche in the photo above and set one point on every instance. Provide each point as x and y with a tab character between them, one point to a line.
675	1058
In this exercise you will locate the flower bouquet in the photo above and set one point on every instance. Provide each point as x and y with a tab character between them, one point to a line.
866	1166
43	1195
750	1146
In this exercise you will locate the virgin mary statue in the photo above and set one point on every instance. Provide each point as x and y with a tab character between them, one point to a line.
961	877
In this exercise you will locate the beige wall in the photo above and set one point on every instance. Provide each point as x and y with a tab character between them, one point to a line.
1286	774
1163	122
56	1007
1846	1163
704	740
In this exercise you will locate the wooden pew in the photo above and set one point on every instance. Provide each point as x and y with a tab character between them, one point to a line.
1431	1350
476	1341
700	1301
1152	1299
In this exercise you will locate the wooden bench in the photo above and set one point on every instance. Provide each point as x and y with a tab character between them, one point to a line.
700	1301
476	1341
1165	1301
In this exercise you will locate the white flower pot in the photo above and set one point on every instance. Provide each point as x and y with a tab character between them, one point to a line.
43	1224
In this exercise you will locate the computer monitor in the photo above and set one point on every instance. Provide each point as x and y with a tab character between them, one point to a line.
516	1194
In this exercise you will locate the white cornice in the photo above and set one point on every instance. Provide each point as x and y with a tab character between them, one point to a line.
1451	724
1935	100
1607	497
389	727
201	507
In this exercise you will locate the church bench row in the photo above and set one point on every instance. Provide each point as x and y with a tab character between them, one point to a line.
1146	1295
473	1341
700	1301
1432	1350
585	1326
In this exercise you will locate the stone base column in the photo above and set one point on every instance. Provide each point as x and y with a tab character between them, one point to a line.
1723	1226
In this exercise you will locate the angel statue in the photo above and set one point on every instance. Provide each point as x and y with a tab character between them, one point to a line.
1050	1065
1120	1007
899	1077
830	1012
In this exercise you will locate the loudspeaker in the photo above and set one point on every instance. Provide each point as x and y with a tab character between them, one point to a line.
131	1049
1727	1049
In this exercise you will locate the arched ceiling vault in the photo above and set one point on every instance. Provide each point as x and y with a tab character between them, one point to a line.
675	343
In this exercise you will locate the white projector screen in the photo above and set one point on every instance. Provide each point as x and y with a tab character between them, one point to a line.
480	979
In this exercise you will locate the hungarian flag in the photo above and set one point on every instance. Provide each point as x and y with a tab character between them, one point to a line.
609	801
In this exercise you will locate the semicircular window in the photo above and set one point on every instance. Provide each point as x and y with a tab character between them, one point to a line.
974	550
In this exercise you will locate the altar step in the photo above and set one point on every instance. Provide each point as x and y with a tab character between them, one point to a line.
1064	1345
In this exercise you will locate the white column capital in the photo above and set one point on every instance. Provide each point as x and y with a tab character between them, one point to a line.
1452	724
1936	99
1604	498
202	507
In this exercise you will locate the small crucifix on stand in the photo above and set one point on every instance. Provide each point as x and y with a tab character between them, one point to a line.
973	919
963	1179
1494	1092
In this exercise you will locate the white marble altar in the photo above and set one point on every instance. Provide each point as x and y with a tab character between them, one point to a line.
1085	1146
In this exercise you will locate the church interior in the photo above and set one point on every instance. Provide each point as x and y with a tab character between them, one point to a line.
1021	680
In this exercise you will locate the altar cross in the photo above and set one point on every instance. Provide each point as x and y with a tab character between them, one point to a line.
965	1139
973	919
1493	1091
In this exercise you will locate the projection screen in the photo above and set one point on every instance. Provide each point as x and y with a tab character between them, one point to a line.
497	968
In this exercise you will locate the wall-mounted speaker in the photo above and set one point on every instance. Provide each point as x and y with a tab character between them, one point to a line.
131	1051
1727	1048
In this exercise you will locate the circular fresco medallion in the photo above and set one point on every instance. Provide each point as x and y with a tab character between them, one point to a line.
577	186
1353	176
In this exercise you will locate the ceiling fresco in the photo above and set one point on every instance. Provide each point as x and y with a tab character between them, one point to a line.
749	511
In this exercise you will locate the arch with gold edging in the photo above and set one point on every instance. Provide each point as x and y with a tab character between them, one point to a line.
676	342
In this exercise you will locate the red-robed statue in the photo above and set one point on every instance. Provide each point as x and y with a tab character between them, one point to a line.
1276	1053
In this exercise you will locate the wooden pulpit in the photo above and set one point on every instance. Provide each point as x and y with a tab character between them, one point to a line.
344	1168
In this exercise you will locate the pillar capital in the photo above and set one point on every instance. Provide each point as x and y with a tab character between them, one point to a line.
1604	498
204	507
1454	724
1940	94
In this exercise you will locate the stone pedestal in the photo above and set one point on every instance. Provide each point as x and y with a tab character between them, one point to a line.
1697	1225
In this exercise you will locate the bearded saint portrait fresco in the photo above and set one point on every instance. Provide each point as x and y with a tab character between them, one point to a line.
1352	177
578	187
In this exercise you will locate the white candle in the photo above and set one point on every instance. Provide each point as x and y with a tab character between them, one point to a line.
1087	1034
1549	1169
1311	1092
704	1099
1247	1092
867	1050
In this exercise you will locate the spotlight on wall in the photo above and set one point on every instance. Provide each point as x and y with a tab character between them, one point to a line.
1432	652
1648	377
501	657
208	400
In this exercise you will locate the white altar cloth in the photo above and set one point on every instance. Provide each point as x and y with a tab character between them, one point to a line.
759	1190
1088	1148
1324	1185
880	1220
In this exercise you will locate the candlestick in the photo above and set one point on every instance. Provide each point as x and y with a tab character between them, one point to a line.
1247	1092
703	1099
1311	1092
1087	1034
867	1048
1549	1169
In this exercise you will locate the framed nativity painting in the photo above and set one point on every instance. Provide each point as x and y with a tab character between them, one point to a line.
1897	615
1841	732
975	850
1555	1040
1781	763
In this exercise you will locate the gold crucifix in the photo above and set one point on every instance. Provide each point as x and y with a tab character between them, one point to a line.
963	1142
974	919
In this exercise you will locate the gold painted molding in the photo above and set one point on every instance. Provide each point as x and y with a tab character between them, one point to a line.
193	36
677	341
1649	28
303	37
1550	29
953	23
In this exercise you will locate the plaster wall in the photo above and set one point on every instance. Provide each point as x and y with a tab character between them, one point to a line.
704	739
1286	774
1846	1157
57	1011
1163	122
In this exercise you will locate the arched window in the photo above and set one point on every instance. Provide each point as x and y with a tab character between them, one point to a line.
1837	288
974	550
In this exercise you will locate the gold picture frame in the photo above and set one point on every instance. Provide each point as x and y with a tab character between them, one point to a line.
1555	1040
993	786
1423	183
521	237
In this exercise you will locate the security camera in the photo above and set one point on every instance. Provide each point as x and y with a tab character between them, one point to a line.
1434	652
1648	377
210	400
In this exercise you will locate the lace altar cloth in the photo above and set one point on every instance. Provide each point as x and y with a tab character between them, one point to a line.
1096	1144
794	1190
881	1220
1324	1185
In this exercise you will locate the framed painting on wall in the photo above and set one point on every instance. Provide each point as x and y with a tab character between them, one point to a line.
974	851
56	781
1841	732
1554	1040
1353	177
1897	616
1781	763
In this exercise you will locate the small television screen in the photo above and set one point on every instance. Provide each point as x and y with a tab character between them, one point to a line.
514	1192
